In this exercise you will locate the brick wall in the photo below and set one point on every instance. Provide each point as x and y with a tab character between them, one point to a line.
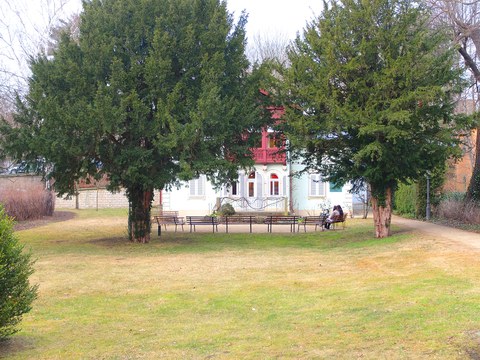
95	198
459	173
88	198
20	182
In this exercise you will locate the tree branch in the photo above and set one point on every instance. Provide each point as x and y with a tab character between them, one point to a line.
470	63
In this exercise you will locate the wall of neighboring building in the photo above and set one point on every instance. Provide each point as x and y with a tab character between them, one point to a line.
459	173
98	198
20	181
326	195
93	199
88	198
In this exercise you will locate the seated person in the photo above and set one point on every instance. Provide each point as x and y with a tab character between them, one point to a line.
337	214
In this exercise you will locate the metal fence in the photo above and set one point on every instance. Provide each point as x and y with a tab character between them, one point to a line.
244	204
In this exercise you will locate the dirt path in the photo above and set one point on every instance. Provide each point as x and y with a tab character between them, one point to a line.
459	236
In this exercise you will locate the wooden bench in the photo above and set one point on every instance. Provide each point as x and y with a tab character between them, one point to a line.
238	220
341	220
168	220
281	220
193	221
312	220
167	213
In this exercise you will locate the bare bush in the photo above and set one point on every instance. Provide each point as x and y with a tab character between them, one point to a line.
22	204
467	212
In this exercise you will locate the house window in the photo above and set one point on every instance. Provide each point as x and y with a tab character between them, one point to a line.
251	185
234	190
197	186
274	185
335	188
274	141
316	185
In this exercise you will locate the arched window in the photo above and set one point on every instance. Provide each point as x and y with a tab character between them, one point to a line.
251	184
274	185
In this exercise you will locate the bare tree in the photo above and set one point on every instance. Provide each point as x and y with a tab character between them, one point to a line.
269	48
365	197
25	30
463	19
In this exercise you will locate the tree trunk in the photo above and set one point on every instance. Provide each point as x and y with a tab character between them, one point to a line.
382	213
140	204
473	191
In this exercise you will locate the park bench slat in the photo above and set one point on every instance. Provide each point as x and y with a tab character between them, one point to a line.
193	221
238	220
168	220
312	220
281	220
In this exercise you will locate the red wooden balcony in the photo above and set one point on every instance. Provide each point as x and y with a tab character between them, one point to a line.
269	156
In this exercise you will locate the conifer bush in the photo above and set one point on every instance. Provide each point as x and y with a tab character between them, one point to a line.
405	199
16	266
226	210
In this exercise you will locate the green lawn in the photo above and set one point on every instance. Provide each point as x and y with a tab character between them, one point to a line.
325	295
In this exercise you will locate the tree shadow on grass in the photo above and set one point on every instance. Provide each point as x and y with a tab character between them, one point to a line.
15	345
155	241
473	350
400	231
179	242
44	220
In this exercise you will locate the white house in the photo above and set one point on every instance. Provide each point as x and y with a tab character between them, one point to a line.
268	187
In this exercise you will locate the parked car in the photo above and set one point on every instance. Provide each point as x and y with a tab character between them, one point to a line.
19	168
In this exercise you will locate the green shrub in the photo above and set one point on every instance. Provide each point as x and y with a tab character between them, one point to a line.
453	196
226	209
16	266
411	199
405	199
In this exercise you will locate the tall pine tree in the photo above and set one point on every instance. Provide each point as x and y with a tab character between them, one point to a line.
369	97
151	93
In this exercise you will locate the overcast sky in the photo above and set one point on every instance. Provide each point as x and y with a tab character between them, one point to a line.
283	17
268	18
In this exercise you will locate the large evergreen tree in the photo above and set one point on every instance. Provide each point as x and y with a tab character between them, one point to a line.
150	93
369	97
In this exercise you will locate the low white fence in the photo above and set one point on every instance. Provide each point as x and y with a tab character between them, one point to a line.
257	204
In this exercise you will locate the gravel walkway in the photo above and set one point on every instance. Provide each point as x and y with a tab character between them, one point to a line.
460	236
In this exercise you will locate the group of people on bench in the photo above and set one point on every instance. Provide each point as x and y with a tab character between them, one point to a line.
336	215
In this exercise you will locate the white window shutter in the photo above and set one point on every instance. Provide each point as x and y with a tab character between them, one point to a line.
192	187
201	185
259	185
313	188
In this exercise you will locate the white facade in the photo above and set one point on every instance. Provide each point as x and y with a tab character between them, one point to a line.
267	188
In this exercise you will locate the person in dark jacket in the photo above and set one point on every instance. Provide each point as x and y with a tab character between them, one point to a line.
336	215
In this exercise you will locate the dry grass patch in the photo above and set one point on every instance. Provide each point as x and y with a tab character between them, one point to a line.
336	294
